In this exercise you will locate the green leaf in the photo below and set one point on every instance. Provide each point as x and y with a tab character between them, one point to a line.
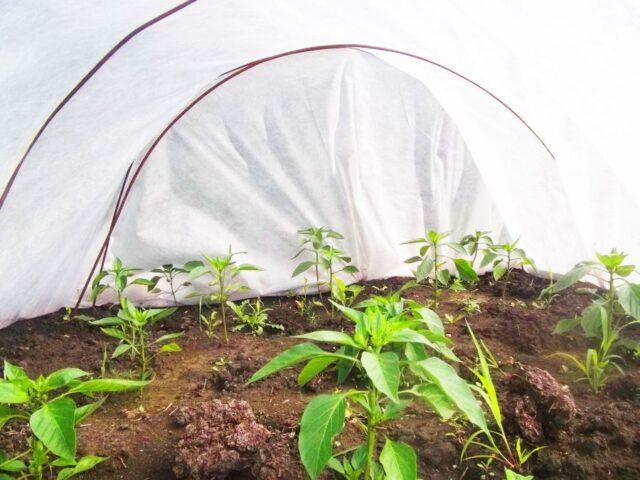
62	377
566	325
434	397
329	336
54	425
570	278
511	475
313	368
296	354
107	322
84	464
430	318
465	270
499	270
383	369
424	269
13	372
629	298
11	392
11	465
399	461
108	385
121	350
302	267
458	391
83	412
592	318
7	413
171	348
169	336
488	259
321	422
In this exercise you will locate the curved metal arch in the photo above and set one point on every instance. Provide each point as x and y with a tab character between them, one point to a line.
79	85
231	74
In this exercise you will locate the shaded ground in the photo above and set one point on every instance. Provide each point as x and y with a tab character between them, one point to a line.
137	434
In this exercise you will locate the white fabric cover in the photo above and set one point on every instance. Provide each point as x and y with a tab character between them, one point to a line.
370	144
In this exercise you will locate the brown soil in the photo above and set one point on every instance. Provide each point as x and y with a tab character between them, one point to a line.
601	440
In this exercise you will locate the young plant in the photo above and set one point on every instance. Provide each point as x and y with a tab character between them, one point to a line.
504	258
252	317
469	307
343	294
316	241
620	299
432	257
497	447
116	278
224	271
306	304
476	243
389	343
171	275
210	322
47	406
133	327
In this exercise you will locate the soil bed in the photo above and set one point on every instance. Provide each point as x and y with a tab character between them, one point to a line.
140	435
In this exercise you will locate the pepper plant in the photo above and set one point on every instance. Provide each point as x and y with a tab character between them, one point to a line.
390	342
133	327
47	406
175	277
116	278
435	252
343	294
224	271
317	242
475	243
504	258
252	317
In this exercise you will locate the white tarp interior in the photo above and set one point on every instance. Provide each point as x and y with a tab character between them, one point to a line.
375	145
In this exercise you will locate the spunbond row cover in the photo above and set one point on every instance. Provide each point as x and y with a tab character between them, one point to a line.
377	145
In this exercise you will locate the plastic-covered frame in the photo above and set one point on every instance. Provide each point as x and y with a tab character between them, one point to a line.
228	76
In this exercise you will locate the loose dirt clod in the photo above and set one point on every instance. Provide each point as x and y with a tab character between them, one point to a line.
538	405
222	437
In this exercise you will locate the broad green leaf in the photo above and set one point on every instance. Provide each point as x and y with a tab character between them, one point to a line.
54	425
169	336
62	377
424	269
499	270
329	336
511	475
566	325
592	318
302	267
121	350
570	278
11	392
13	372
433	395
321	422
107	322
108	385
383	369
625	270
11	465
84	411
171	348
430	318
351	313
7	413
399	461
465	270
629	298
458	391
313	368
296	354
84	464
488	259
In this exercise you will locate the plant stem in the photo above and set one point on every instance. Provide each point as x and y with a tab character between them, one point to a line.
173	292
506	278
436	289
222	305
318	273
371	434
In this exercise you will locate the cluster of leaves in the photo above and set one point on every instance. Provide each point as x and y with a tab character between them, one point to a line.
607	316
318	243
175	277
392	340
504	258
116	278
132	327
47	406
343	294
252	316
224	272
435	252
469	307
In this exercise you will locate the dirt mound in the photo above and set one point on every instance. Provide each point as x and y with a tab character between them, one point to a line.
221	437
